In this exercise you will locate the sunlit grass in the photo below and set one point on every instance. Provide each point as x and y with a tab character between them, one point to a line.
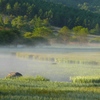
24	89
86	87
28	78
86	79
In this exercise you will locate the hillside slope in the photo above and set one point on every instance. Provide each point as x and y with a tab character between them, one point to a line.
57	14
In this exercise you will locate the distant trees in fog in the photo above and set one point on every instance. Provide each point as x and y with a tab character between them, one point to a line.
64	34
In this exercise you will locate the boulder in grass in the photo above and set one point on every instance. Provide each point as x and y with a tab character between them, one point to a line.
14	75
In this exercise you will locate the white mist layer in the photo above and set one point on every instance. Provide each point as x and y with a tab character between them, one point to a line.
27	67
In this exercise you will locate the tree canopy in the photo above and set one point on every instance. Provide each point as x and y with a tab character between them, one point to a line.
57	14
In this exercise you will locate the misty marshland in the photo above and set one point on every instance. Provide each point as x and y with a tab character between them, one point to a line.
55	71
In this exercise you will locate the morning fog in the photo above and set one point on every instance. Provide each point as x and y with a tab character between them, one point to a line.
57	62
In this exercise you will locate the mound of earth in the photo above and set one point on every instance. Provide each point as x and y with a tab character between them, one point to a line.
13	75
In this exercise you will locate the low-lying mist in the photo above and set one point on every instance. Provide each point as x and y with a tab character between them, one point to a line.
55	72
27	67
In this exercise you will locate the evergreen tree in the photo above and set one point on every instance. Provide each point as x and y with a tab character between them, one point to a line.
8	8
1	21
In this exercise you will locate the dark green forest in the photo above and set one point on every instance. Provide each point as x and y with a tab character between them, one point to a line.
57	14
31	22
89	5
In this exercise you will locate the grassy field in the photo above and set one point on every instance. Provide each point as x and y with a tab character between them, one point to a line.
29	88
83	68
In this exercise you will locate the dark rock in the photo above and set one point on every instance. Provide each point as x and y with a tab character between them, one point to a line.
13	75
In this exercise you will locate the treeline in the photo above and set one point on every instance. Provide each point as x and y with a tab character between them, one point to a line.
39	31
22	31
89	5
76	2
57	14
30	22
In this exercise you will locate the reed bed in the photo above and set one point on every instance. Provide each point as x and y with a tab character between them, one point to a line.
71	58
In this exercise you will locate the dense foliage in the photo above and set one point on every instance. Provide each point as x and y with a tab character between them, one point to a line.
57	14
34	18
7	36
89	5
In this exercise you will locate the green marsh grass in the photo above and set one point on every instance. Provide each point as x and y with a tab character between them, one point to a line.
40	88
86	79
67	65
90	58
24	89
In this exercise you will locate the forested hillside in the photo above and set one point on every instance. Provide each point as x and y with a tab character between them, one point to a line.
30	21
89	5
75	2
57	14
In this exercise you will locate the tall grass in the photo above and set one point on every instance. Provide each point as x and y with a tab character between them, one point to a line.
86	79
24	89
28	78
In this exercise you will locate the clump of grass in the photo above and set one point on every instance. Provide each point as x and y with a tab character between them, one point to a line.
86	79
30	78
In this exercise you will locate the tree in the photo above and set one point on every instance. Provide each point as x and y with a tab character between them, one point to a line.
8	36
42	32
84	6
48	14
7	22
40	13
81	33
1	21
37	22
18	22
76	29
16	8
8	8
97	28
28	35
30	10
64	34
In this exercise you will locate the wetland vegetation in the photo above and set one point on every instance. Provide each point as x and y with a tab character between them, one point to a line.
30	89
58	71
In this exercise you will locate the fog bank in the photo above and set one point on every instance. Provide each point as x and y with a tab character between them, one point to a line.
28	67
